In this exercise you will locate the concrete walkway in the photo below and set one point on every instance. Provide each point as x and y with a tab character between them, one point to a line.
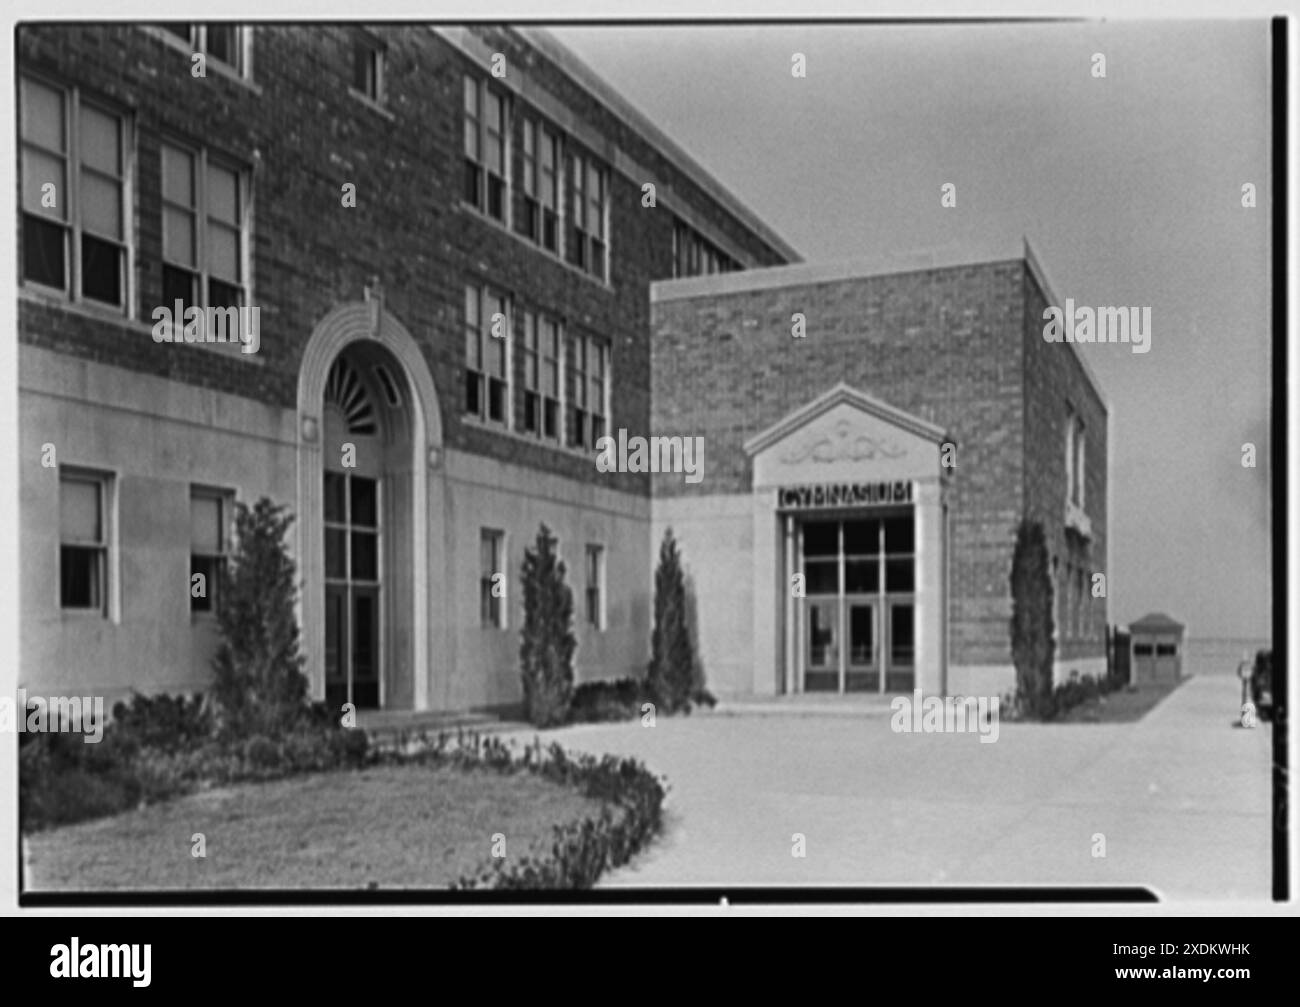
1181	797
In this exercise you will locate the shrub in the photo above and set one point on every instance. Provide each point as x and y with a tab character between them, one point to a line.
611	699
673	665
547	642
259	684
169	723
1032	647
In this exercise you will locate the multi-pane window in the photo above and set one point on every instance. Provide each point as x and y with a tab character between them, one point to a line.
585	245
368	69
75	191
83	541
586	390
695	255
595	594
492	611
487	355
485	149
541	376
209	545
217	40
540	185
203	203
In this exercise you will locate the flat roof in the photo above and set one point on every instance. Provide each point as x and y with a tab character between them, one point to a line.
587	78
950	256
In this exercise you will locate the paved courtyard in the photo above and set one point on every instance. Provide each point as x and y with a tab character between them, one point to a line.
1181	797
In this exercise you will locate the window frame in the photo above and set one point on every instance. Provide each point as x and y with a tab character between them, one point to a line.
377	67
581	253
483	93
581	375
538	136
202	159
482	293
105	546
73	98
598	552
494	612
225	500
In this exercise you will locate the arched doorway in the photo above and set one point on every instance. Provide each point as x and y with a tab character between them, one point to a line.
369	511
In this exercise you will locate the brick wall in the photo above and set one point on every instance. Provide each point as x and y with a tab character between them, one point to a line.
306	134
943	344
1056	382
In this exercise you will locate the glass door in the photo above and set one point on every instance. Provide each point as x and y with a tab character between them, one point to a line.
352	590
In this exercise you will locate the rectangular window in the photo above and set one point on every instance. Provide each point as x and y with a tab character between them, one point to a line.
204	230
209	545
588	191
368	69
74	163
539	185
487	355
485	117
541	342
586	390
492	611
219	41
83	541
695	255
595	595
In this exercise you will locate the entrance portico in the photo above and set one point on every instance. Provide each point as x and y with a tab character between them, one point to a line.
850	536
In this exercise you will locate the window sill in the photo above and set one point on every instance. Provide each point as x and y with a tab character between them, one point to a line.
474	422
210	63
42	297
370	103
533	246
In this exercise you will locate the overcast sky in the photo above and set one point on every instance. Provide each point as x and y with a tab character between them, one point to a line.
1129	189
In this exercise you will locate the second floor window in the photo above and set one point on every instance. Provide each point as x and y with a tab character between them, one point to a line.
74	195
203	204
1075	451
586	390
695	255
485	149
588	187
368	69
487	360
541	376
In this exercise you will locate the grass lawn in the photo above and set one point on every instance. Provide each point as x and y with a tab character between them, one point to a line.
391	826
1122	707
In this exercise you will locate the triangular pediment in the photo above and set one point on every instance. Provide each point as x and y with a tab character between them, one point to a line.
849	435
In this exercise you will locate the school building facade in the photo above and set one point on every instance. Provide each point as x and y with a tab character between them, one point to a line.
459	288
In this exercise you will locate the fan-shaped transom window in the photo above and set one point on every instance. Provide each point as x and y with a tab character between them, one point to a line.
345	390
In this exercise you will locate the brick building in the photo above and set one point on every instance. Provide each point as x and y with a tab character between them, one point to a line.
825	448
459	289
477	193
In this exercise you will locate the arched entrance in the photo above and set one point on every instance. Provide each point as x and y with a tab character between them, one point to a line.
370	433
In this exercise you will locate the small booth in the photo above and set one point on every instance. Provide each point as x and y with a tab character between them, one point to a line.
1157	642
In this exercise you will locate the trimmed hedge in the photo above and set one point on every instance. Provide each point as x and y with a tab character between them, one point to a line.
622	699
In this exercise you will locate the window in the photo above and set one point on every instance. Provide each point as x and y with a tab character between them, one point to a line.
225	43
485	149
74	182
586	390
1075	450
695	255
368	69
209	545
595	595
588	188
540	185
541	376
204	230
83	541
492	548
487	355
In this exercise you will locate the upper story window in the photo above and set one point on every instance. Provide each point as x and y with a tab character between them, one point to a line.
368	68
585	244
75	186
586	390
226	43
1075	458
83	540
204	204
695	255
541	376
540	163
485	149
487	355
